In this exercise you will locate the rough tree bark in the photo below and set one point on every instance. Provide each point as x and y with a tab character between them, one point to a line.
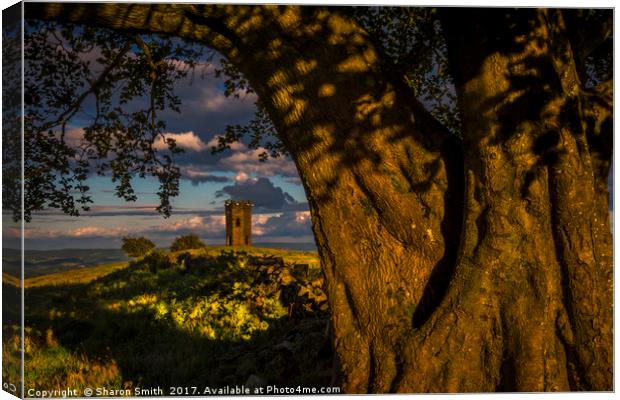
536	254
478	265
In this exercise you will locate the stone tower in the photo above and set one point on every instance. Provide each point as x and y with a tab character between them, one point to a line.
238	223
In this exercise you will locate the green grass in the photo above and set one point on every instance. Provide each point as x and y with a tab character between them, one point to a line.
289	256
76	276
71	277
153	322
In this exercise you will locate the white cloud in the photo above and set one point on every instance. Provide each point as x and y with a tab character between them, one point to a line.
185	140
282	224
211	99
302	216
201	225
244	161
259	223
215	140
217	101
74	136
242	177
97	231
247	161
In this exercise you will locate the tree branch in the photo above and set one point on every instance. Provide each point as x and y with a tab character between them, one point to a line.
75	106
154	65
163	19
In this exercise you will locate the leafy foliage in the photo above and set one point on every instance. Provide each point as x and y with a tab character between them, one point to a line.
157	261
261	134
127	79
412	39
186	242
260	130
137	246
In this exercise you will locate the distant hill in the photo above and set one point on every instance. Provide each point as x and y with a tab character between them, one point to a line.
71	277
45	262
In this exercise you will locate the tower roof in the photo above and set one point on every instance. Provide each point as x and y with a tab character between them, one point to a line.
238	203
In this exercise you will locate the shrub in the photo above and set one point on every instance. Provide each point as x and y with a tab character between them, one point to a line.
187	242
158	261
137	246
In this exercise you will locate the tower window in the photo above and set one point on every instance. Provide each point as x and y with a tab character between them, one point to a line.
237	222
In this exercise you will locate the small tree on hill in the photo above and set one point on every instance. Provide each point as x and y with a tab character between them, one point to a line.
187	242
137	246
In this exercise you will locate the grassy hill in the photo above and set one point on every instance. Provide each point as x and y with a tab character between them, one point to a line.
70	277
45	262
252	316
74	277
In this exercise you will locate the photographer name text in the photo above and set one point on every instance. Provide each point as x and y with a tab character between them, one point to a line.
180	391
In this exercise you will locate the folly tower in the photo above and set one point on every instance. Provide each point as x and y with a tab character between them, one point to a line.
238	223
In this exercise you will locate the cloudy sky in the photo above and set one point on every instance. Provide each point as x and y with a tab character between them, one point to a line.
281	211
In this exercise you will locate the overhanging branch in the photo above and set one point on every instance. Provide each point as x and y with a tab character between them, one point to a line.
163	19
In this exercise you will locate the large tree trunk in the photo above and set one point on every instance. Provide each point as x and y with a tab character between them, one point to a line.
444	273
386	212
537	229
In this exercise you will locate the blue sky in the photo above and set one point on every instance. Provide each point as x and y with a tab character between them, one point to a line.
281	213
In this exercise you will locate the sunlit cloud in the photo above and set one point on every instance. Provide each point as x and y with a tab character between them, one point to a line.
302	216
242	177
259	223
248	161
208	225
215	140
185	140
291	224
74	136
92	231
